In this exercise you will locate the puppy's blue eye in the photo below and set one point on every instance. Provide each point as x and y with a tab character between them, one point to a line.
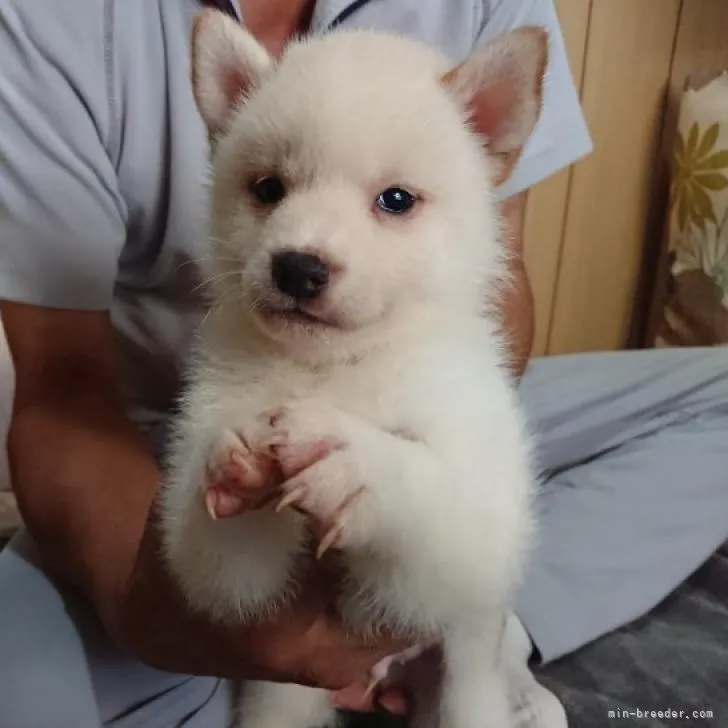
268	190
396	201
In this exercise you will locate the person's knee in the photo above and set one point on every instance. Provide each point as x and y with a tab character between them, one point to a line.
44	677
41	690
58	668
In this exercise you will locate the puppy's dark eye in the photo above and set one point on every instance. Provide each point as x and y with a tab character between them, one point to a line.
396	201
268	190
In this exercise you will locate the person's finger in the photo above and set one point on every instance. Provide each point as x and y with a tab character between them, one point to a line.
359	699
355	697
394	701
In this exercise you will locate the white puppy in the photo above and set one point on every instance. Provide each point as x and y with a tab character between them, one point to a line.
354	241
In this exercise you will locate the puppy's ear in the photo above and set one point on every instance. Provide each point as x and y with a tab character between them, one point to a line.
501	86
226	63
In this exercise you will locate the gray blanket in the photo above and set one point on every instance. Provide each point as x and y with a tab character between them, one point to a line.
674	659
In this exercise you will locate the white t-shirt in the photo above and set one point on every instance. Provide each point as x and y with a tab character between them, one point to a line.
103	156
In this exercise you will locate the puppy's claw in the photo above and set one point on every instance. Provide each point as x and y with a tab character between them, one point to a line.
221	503
275	441
211	504
289	499
240	461
329	539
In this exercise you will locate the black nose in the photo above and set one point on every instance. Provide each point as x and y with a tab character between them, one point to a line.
299	275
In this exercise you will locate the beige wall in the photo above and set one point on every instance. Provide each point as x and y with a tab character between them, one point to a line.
590	230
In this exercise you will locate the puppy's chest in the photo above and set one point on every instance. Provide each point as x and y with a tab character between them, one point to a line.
372	393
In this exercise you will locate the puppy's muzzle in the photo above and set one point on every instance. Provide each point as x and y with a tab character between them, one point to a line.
302	276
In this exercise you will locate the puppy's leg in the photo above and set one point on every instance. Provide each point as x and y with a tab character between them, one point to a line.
474	691
274	705
213	552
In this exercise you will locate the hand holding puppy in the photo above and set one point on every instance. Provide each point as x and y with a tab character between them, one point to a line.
304	643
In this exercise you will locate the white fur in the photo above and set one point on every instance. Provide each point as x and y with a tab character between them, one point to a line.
409	378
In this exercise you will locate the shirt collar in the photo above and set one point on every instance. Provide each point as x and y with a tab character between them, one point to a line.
325	13
228	6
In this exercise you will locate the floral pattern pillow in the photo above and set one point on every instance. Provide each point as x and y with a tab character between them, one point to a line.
696	307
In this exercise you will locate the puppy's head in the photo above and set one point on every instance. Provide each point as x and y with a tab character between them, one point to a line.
353	176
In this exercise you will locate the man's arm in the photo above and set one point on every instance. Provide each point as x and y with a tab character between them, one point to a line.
517	305
82	473
560	138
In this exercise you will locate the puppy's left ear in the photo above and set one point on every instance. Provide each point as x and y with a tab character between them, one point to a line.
501	87
227	63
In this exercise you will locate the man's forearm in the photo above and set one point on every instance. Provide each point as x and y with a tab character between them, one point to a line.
84	480
518	314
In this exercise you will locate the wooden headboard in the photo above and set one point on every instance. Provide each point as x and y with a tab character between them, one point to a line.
593	232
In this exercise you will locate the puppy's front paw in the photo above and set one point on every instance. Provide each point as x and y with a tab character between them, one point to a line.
236	479
297	436
322	459
327	494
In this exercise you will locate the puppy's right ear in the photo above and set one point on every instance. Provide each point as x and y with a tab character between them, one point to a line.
227	62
